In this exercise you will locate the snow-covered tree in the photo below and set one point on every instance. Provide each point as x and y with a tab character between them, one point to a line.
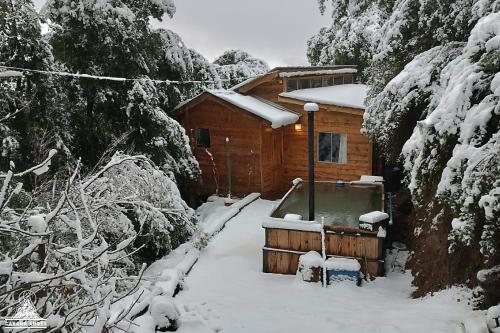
236	66
353	36
81	247
113	38
177	62
26	99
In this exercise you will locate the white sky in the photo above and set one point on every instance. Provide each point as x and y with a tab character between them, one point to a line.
273	30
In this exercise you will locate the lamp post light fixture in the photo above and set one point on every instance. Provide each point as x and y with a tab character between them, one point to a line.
311	108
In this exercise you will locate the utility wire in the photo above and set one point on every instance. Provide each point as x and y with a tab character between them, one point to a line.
118	79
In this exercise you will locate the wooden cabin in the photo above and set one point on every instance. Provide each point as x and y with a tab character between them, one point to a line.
264	121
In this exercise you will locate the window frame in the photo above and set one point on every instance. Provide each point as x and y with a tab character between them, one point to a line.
305	79
326	78
197	137
316	79
289	81
324	81
341	142
338	77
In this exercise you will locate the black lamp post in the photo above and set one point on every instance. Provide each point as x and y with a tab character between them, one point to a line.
310	108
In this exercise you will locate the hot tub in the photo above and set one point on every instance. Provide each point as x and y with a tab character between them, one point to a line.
338	206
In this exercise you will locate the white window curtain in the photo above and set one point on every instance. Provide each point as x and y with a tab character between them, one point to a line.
332	147
343	149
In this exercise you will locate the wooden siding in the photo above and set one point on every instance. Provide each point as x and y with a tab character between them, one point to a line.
280	262
283	248
295	156
293	240
243	130
268	90
271	162
265	159
329	119
368	247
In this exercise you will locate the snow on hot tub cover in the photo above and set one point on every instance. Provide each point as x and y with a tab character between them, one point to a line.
277	115
347	95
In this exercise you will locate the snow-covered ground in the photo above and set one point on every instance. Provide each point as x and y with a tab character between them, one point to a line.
226	291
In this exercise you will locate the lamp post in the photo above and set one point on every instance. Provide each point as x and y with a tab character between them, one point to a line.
310	108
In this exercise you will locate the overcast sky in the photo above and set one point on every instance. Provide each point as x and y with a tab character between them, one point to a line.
273	30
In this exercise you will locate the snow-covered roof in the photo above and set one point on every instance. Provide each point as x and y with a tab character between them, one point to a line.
277	115
294	71
319	72
348	95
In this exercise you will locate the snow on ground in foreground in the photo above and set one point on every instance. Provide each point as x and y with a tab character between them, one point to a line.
226	291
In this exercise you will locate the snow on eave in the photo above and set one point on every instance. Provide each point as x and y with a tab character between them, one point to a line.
277	115
344	95
319	72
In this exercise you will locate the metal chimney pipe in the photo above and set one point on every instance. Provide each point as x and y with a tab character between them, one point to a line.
310	108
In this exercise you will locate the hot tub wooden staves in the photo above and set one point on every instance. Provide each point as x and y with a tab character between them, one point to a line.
283	248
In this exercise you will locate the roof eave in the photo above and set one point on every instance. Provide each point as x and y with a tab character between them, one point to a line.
328	107
274	73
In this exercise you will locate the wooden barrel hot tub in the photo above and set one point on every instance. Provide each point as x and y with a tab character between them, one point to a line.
286	240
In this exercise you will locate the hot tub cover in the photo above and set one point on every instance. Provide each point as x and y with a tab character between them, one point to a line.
342	264
373	217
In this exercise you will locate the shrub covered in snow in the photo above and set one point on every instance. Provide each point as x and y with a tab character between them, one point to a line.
80	247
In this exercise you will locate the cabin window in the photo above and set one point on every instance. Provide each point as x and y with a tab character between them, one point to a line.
203	137
291	85
332	147
316	83
338	80
328	81
304	83
348	79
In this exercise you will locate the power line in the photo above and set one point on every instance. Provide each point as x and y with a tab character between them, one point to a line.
119	79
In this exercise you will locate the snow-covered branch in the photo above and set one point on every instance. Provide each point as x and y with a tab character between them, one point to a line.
87	252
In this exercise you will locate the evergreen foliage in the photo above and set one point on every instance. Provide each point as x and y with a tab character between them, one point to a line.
234	66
